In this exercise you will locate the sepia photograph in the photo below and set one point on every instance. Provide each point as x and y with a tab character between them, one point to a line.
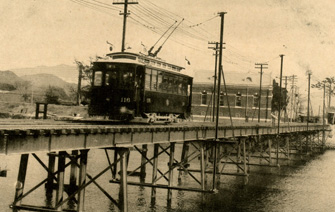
167	106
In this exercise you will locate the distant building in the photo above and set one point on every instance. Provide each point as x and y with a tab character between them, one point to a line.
242	92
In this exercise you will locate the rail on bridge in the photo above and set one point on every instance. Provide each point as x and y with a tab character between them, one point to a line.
190	150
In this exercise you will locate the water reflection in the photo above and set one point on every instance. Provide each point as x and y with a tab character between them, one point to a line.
303	186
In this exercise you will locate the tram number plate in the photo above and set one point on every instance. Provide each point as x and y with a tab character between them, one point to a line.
125	99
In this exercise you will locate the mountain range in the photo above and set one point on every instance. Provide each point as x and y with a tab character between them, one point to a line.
38	80
65	72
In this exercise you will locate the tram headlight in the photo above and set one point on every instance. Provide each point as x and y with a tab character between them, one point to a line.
123	109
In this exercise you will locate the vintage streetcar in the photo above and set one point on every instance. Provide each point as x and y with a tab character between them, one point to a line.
128	86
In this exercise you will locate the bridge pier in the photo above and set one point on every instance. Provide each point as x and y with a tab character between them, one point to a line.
82	180
21	179
60	189
123	153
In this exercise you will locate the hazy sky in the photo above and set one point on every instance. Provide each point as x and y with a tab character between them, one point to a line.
52	32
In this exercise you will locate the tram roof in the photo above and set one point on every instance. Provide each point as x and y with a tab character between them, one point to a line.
142	59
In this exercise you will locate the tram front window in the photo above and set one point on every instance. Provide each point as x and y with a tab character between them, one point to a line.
120	76
97	78
111	78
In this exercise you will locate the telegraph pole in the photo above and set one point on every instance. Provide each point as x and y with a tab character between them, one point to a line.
323	118
260	66
218	101
292	96
279	105
308	102
216	49
330	95
215	74
285	99
125	14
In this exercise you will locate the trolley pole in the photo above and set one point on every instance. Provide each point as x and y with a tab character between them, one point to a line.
260	66
125	14
218	101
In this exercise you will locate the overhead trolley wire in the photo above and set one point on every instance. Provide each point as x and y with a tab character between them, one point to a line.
110	7
93	6
166	13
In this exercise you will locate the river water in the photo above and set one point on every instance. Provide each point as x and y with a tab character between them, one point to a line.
304	186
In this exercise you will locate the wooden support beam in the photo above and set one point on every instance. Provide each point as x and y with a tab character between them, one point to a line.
154	174
170	182
143	162
184	158
202	166
21	178
73	172
114	171
287	141
246	179
82	180
51	168
270	150
123	194
61	170
161	186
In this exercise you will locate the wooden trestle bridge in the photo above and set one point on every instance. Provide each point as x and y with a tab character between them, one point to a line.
69	145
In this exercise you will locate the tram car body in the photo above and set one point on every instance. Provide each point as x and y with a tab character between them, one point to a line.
126	86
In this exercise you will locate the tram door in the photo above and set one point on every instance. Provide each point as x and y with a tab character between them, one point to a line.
139	89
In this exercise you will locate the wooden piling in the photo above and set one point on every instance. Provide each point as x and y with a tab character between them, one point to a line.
51	167
143	162
154	174
202	166
60	188
73	172
82	180
170	182
123	153
21	178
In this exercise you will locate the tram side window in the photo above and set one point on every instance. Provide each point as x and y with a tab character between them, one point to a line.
170	85
160	81
154	80
186	88
97	78
179	85
165	83
147	79
175	85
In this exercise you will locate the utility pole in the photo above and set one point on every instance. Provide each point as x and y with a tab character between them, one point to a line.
292	96
216	49
267	105
125	14
308	101
285	99
80	75
218	101
323	117
260	66
279	105
330	95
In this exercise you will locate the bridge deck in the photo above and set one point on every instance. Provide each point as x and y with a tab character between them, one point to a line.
35	136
